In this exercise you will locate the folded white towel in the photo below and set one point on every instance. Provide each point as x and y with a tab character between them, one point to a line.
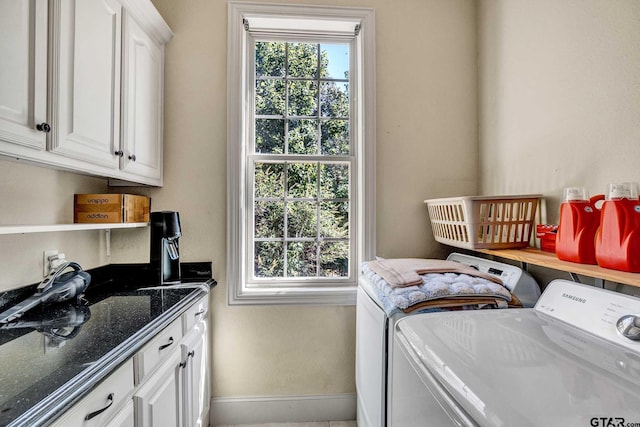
406	271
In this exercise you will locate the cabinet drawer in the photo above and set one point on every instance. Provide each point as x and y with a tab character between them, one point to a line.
196	313
149	358
103	402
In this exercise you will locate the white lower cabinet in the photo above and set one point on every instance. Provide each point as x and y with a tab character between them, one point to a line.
157	402
124	417
196	376
174	389
151	356
165	384
109	404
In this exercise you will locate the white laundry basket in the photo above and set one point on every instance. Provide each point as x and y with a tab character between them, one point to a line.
484	222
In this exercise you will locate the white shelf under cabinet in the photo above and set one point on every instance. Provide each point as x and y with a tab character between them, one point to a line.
22	229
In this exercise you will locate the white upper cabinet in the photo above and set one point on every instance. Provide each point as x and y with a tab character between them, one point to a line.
85	90
97	90
23	72
142	75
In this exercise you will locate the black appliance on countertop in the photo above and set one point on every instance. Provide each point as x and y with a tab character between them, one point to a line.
165	250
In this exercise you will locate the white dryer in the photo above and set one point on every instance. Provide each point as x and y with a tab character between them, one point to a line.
572	360
375	329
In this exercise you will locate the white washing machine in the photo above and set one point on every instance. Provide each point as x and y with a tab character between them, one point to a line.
572	360
375	329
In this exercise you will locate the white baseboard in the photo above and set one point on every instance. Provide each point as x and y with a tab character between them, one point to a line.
282	409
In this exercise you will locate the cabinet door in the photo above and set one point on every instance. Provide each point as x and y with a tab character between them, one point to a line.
85	78
158	401
23	71
142	107
196	377
124	417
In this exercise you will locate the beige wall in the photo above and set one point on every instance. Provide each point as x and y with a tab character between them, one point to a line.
35	195
426	110
426	147
559	96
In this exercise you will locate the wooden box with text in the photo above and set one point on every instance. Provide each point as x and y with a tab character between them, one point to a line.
110	208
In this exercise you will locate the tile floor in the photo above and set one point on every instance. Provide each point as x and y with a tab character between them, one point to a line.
314	424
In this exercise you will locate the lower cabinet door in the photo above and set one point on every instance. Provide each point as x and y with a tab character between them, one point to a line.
124	417
158	401
196	378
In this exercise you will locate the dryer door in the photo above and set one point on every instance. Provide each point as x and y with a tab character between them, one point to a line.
417	398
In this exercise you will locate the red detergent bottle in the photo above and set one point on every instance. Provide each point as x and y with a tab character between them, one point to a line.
618	239
579	221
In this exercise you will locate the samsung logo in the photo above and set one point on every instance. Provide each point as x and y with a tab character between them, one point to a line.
574	298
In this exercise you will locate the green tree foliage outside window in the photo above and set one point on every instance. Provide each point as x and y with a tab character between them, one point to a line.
301	205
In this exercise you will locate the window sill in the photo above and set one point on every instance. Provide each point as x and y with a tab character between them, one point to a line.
344	295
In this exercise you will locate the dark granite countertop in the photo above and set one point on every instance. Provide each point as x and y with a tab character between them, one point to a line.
53	355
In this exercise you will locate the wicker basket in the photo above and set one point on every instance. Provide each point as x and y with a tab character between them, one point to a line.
485	222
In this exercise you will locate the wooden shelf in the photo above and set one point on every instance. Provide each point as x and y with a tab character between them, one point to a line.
535	256
22	229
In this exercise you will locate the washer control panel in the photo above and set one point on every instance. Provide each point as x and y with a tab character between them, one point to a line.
609	315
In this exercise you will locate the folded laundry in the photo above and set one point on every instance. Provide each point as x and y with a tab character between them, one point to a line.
399	272
444	289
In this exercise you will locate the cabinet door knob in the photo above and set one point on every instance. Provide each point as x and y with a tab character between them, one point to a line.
132	157
119	153
44	127
99	411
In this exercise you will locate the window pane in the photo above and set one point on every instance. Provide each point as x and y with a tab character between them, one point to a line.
301	259
334	259
270	136
334	99
301	207
269	259
334	219
269	219
334	137
302	180
303	60
334	61
303	136
269	180
334	181
303	98
302	219
270	97
270	59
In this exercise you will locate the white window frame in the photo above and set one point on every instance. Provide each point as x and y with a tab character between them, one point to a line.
239	132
